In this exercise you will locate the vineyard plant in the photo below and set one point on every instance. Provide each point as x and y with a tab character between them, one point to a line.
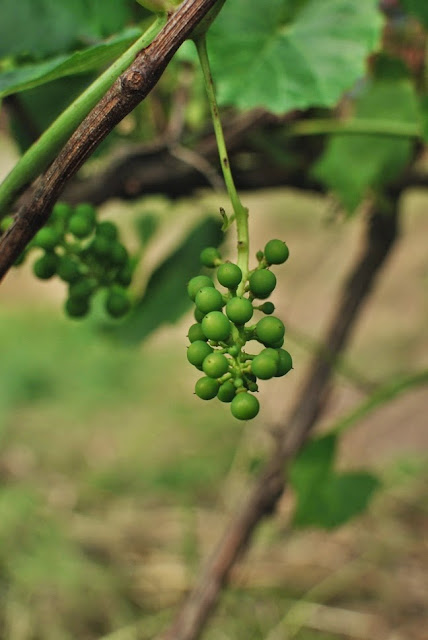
116	102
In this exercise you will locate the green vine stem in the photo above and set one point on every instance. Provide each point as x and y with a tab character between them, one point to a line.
240	212
40	154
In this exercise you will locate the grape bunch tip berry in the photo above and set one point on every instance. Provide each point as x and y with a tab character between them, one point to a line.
87	255
219	336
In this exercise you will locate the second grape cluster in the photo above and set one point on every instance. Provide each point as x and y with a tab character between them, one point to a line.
221	331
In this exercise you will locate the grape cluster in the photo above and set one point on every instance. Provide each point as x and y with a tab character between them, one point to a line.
87	255
220	334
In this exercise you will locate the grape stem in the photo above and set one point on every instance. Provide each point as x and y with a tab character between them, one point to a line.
42	152
240	212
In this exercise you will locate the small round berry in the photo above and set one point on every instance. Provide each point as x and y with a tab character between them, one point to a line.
215	365
80	226
269	330
100	247
107	229
209	299
244	406
118	254
262	282
267	308
69	269
264	367
77	307
227	392
86	210
47	238
46	266
197	352
196	333
271	353
285	363
234	350
207	388
276	252
216	326
124	275
229	275
198	315
117	303
81	289
210	257
239	310
61	212
197	283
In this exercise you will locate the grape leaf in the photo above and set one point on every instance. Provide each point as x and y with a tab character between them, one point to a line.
165	298
39	73
313	463
291	54
351	164
418	8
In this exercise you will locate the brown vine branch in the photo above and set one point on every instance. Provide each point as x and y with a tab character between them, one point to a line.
128	90
381	235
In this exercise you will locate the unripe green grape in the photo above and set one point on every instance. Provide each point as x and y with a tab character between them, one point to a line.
216	326
61	212
234	350
196	333
124	275
80	226
244	406
238	382
215	365
267	308
271	353
198	315
117	302
118	254
276	252
262	282
239	310
264	367
107	229
81	289
210	256
76	307
45	267
251	386
209	299
86	210
285	363
278	344
100	247
197	352
269	330
226	392
69	269
47	238
207	388
229	275
197	283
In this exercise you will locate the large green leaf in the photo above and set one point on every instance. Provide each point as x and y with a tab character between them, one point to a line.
165	298
39	73
324	498
288	54
418	8
39	28
352	164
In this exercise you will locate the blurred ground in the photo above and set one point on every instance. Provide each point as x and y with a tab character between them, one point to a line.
116	481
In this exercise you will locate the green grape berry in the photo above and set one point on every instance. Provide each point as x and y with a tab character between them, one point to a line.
207	388
210	257
264	367
270	330
234	350
61	212
45	267
197	283
215	365
69	269
216	326
244	406
239	310
267	308
86	210
271	353
229	275
276	252
47	238
80	226
196	333
118	254
124	275
117	302
226	392
209	299
100	247
262	282
81	289
197	352
107	229
285	363
198	315
77	307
